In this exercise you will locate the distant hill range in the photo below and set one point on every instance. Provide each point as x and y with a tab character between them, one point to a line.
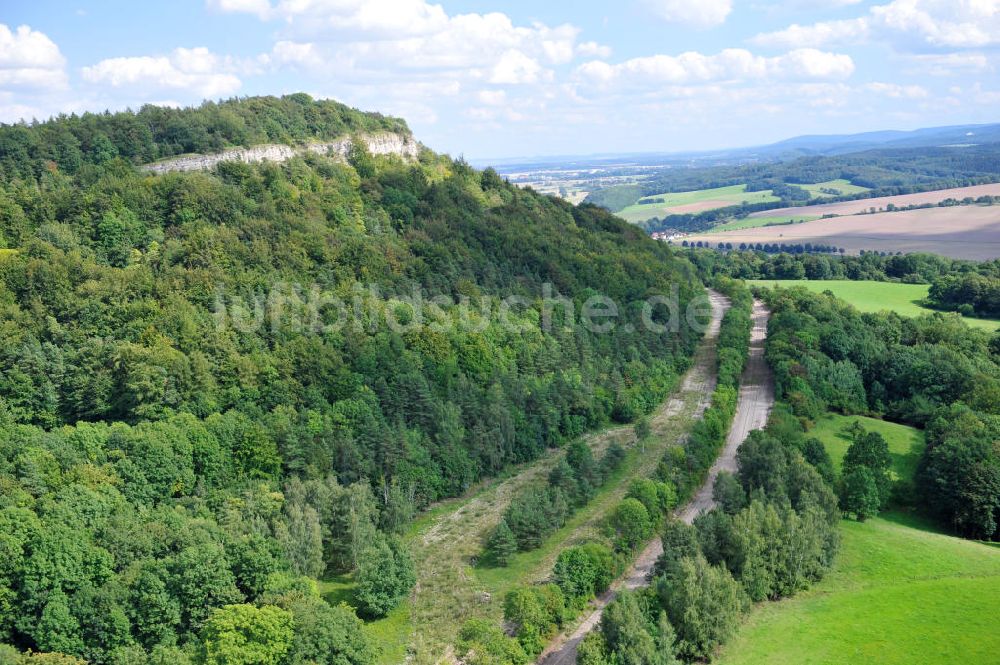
842	144
799	146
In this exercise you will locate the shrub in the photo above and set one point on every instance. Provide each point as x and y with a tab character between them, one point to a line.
502	544
385	575
482	643
584	572
630	525
704	604
534	612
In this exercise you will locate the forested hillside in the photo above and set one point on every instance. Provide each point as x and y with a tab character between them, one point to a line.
189	437
155	132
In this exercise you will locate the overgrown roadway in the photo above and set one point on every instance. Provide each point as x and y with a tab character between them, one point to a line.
752	409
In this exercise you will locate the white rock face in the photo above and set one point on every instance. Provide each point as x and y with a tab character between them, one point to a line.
383	143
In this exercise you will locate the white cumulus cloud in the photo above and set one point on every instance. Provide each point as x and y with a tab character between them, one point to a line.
492	97
196	70
949	64
727	65
294	53
262	8
910	25
593	50
414	34
697	13
515	67
897	91
29	59
819	34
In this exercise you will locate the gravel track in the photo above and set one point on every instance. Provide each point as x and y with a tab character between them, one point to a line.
752	409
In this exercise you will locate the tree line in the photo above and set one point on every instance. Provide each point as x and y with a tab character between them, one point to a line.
536	512
970	294
915	268
932	372
767	248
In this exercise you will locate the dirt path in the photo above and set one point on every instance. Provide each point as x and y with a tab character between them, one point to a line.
752	408
451	590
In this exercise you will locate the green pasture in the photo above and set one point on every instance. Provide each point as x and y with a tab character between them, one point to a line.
869	296
753	222
900	593
726	196
841	186
906	444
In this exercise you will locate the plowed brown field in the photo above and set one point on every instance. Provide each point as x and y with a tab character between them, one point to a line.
962	232
903	200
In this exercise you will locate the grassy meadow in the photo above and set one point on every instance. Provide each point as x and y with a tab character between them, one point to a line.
905	299
754	222
694	201
841	186
900	593
905	443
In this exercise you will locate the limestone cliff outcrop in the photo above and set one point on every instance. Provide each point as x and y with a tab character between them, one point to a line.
383	143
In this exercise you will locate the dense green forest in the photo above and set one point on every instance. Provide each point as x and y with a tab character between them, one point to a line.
68	143
188	440
929	371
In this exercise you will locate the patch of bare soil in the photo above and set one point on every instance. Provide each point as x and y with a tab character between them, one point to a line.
862	206
961	232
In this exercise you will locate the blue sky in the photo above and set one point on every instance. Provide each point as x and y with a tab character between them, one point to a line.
501	79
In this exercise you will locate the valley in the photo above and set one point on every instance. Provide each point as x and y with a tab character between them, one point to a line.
451	588
756	398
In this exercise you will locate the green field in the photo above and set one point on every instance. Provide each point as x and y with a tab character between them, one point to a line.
389	633
753	222
725	196
904	299
899	593
906	444
841	186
